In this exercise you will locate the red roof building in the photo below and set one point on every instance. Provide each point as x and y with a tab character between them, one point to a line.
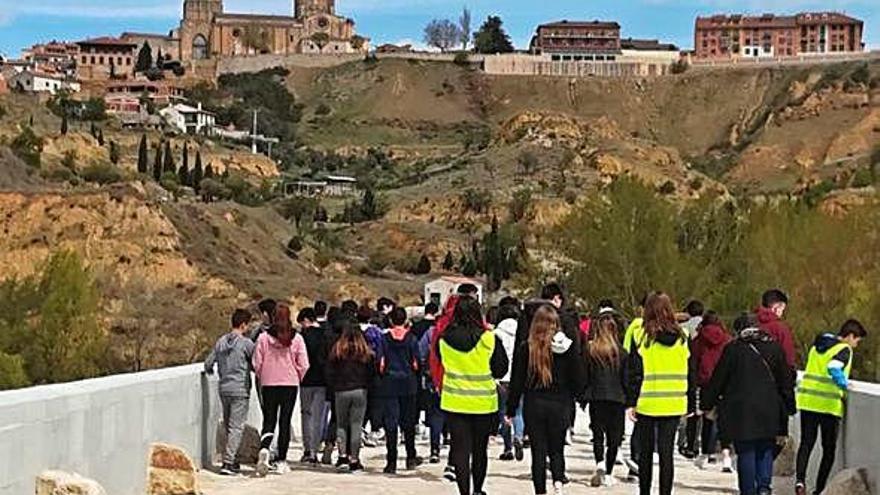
578	40
101	58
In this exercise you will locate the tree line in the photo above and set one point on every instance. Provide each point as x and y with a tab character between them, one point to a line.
446	34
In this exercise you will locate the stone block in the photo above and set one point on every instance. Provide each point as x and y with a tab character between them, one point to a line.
249	448
62	483
171	472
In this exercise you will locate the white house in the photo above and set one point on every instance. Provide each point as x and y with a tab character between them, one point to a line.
189	120
439	290
33	81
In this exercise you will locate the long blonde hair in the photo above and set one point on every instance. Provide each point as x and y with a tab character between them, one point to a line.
605	348
545	324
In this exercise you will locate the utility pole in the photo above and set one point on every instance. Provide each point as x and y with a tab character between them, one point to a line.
254	134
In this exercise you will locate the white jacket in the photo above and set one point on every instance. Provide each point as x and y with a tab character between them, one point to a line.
506	333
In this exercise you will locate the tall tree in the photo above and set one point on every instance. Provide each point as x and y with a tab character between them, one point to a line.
183	175
157	163
442	34
114	153
64	124
185	157
168	165
209	171
144	58
448	261
491	38
464	27
142	155
160	59
197	173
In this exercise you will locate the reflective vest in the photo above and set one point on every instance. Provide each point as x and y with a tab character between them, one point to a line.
818	393
468	386
665	384
635	333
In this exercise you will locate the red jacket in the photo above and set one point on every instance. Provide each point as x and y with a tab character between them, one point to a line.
434	362
780	332
708	346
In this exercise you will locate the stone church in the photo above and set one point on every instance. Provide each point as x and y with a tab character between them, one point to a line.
206	31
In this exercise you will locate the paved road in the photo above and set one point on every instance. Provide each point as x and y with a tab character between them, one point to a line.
504	477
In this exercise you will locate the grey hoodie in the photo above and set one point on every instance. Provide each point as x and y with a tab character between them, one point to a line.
233	354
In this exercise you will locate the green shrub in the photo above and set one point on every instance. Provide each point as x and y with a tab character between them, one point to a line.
462	59
101	173
12	373
679	67
28	147
322	109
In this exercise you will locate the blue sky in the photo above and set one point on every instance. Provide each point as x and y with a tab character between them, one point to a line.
23	23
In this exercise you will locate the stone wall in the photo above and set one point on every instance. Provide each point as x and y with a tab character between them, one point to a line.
531	65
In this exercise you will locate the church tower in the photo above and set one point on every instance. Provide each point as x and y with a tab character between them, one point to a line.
308	8
201	10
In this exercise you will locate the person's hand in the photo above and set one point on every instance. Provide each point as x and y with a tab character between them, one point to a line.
508	420
631	414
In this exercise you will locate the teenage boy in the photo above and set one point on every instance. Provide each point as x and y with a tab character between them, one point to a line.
821	396
232	354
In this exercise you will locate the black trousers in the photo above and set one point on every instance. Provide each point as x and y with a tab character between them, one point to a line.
547	422
278	405
401	414
607	424
662	431
706	427
810	424
468	452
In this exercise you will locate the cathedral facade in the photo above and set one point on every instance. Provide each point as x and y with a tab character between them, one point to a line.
207	32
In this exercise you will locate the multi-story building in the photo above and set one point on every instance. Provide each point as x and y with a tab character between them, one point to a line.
101	58
33	81
578	41
768	35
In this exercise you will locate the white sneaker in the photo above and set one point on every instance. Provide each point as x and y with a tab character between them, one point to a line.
726	462
282	468
263	462
608	481
656	458
557	488
701	462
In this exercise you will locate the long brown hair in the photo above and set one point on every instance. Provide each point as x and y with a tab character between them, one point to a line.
351	345
282	327
545	324
605	347
660	317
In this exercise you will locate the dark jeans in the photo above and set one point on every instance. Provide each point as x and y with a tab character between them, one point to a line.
469	448
754	466
436	421
278	405
810	424
547	422
401	414
607	424
662	431
330	432
707	435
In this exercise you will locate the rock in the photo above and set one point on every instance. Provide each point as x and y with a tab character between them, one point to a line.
249	448
171	472
62	483
859	481
784	465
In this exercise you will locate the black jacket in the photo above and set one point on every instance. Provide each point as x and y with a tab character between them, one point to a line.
317	348
568	320
752	389
606	383
347	374
569	379
636	373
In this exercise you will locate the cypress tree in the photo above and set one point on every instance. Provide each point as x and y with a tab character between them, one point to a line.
209	172
448	262
185	158
183	176
100	137
144	58
169	167
197	173
424	266
114	153
142	155
157	163
64	124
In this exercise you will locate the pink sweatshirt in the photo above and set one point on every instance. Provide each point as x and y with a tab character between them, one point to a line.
276	365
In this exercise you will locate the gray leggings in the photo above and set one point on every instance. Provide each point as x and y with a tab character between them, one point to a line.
351	406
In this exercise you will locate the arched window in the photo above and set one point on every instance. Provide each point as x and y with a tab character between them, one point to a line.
200	47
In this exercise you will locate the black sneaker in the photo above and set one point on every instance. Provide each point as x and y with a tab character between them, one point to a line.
390	469
449	474
229	470
306	458
687	453
327	456
506	456
355	467
518	451
414	462
342	464
435	458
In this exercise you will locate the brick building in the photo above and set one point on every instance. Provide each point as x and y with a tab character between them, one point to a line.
768	35
99	58
578	41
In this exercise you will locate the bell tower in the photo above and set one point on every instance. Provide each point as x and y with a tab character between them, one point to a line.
201	10
308	8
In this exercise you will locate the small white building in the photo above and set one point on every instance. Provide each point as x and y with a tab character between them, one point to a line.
439	290
32	81
189	120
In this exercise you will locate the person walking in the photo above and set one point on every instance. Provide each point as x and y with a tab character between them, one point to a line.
752	391
314	385
548	373
399	372
663	383
433	414
232	356
708	344
632	338
821	397
512	434
352	366
606	374
280	362
471	358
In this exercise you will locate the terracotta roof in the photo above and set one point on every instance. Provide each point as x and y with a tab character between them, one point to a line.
106	40
809	18
596	23
771	20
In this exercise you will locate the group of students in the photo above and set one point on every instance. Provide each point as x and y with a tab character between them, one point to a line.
520	371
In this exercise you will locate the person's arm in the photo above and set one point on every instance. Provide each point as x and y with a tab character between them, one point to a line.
414	352
210	361
785	381
786	341
499	362
300	356
692	384
836	368
713	391
258	356
635	377
518	377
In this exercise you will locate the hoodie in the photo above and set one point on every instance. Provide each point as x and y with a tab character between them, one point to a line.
399	364
232	354
839	362
636	375
568	375
506	333
277	365
434	358
780	332
707	347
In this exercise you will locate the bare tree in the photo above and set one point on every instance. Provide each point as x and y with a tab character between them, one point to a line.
464	27
442	34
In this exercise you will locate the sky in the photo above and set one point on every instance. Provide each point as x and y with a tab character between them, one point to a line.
23	23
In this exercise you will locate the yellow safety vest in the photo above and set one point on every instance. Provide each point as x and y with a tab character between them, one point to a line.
665	385
634	334
468	386
817	392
